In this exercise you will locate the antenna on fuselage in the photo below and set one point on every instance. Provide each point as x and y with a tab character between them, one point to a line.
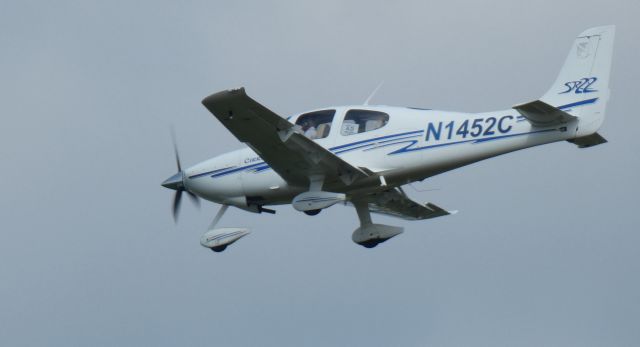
366	102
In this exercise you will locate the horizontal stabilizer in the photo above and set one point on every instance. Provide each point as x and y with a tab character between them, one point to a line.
541	114
588	141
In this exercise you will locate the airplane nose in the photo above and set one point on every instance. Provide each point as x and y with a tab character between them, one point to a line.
174	182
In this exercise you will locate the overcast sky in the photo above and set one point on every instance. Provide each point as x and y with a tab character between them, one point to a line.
544	251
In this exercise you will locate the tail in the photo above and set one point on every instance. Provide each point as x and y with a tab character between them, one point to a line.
582	87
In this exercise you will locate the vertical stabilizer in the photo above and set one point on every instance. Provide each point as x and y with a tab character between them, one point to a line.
582	87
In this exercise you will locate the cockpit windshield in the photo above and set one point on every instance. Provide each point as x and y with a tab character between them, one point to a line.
315	125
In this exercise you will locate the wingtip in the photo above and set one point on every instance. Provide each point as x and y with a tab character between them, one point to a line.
224	93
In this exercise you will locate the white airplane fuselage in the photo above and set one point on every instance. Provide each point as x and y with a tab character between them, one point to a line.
363	154
413	145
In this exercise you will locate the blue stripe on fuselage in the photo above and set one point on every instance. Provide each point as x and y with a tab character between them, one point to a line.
210	172
237	169
375	139
409	149
400	138
262	166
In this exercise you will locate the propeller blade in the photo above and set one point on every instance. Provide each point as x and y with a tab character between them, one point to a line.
194	198
175	148
176	204
176	181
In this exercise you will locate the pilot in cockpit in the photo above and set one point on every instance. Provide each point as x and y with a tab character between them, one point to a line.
309	130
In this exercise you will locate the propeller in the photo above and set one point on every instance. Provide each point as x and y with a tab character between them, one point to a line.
176	182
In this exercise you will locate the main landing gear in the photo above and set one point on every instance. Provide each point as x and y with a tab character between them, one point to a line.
370	234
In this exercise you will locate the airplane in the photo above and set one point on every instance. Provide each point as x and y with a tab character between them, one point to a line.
362	155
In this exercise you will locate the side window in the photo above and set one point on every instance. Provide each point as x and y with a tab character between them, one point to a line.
315	125
360	121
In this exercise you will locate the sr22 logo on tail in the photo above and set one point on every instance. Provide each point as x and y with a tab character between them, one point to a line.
581	86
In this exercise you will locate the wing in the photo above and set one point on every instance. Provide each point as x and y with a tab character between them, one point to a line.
293	156
396	204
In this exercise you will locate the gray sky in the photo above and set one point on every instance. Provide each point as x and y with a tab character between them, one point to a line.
542	253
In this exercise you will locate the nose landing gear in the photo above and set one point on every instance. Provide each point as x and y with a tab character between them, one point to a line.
217	240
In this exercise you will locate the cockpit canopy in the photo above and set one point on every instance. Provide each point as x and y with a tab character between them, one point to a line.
317	124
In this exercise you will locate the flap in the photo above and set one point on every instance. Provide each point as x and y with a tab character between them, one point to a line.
396	204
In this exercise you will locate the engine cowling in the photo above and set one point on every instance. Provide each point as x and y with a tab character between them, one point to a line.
218	239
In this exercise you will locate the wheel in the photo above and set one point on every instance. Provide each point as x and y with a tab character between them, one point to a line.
312	212
219	249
